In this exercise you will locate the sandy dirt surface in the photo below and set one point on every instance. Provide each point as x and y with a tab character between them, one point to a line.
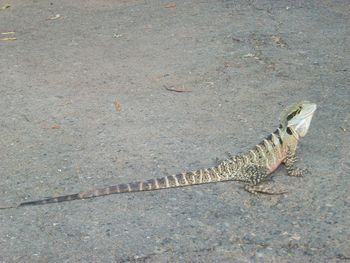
86	101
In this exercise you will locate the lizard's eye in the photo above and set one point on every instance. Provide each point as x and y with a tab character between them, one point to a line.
291	115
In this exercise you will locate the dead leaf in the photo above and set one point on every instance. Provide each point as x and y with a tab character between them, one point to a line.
8	38
251	55
55	126
295	237
170	5
176	90
117	105
5	7
236	39
57	16
271	66
279	41
115	35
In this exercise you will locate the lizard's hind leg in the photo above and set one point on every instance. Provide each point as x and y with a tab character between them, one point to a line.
265	188
257	176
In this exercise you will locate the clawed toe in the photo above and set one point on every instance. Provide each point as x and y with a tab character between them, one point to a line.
264	189
298	172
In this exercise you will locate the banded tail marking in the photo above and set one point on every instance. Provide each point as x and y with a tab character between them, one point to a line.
185	179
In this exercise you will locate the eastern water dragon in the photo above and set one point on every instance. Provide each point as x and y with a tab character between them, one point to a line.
252	167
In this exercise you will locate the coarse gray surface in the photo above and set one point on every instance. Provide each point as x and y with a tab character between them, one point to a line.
242	61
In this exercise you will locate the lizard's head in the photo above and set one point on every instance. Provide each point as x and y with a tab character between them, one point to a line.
296	118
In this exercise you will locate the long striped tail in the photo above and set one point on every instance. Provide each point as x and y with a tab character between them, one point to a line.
202	176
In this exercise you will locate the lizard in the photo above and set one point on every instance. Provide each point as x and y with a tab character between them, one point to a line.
252	167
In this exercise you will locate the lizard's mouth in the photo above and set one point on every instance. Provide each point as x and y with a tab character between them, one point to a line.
301	124
311	110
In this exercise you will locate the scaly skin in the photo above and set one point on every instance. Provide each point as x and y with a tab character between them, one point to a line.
252	167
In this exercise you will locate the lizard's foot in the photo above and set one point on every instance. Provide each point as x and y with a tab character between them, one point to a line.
298	172
264	189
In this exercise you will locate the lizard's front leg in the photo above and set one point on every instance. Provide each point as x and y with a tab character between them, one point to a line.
289	163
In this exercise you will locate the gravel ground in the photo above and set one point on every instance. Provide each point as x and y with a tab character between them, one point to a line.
87	101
